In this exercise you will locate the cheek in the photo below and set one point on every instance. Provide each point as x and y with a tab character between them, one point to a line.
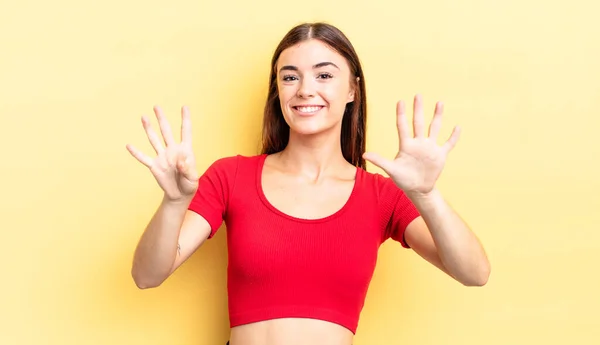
286	93
336	95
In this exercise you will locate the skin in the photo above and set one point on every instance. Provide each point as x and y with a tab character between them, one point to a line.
309	179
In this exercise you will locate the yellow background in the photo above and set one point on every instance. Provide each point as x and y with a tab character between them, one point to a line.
520	77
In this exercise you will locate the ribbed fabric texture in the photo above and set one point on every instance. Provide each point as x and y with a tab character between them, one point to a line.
281	266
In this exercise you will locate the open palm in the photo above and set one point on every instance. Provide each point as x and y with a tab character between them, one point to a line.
173	166
420	160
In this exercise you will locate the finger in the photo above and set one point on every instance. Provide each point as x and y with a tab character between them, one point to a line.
171	157
379	161
418	119
436	122
137	154
152	136
452	140
165	127
186	126
403	132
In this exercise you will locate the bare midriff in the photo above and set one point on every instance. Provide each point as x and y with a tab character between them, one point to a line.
291	331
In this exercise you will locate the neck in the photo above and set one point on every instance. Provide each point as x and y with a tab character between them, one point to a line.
314	155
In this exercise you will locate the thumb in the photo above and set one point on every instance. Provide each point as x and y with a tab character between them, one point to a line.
379	161
185	166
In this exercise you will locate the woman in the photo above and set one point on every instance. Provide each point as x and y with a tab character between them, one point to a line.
304	218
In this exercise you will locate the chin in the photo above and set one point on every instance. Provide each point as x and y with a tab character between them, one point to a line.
306	130
310	128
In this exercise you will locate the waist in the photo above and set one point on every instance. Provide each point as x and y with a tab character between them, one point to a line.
291	331
322	311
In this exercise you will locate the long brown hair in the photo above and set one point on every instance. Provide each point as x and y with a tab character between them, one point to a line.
276	132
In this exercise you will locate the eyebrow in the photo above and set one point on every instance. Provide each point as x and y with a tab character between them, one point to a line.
319	65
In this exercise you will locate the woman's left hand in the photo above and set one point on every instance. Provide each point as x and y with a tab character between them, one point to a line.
420	159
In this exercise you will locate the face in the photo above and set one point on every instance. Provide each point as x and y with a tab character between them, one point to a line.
314	87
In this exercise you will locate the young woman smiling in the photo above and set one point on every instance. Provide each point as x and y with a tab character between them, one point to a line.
304	218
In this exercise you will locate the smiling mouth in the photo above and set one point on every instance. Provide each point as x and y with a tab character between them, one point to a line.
308	110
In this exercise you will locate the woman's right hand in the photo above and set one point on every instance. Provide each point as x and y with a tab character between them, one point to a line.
174	166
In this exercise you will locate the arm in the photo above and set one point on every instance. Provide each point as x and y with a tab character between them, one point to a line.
442	238
439	235
192	207
172	235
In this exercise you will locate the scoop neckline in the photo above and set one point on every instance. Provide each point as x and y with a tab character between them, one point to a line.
272	208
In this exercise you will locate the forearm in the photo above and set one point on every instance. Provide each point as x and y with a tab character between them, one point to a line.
157	249
458	248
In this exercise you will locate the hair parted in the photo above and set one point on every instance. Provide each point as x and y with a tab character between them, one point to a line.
275	132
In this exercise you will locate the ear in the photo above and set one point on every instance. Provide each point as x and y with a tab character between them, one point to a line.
352	92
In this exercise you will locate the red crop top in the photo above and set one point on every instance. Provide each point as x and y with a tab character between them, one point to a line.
281	266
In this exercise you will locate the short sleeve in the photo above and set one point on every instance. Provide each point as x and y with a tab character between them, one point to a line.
403	211
214	190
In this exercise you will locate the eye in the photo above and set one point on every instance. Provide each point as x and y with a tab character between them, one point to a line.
325	75
289	77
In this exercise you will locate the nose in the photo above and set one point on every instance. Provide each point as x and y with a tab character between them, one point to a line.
306	88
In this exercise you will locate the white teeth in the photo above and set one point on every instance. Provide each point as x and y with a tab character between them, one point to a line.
308	109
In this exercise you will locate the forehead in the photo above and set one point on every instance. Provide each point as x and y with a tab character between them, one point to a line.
309	53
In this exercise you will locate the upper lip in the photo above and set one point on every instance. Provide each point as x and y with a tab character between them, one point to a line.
308	105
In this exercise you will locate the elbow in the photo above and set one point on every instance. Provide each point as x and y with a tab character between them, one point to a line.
142	282
143	285
476	282
479	277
